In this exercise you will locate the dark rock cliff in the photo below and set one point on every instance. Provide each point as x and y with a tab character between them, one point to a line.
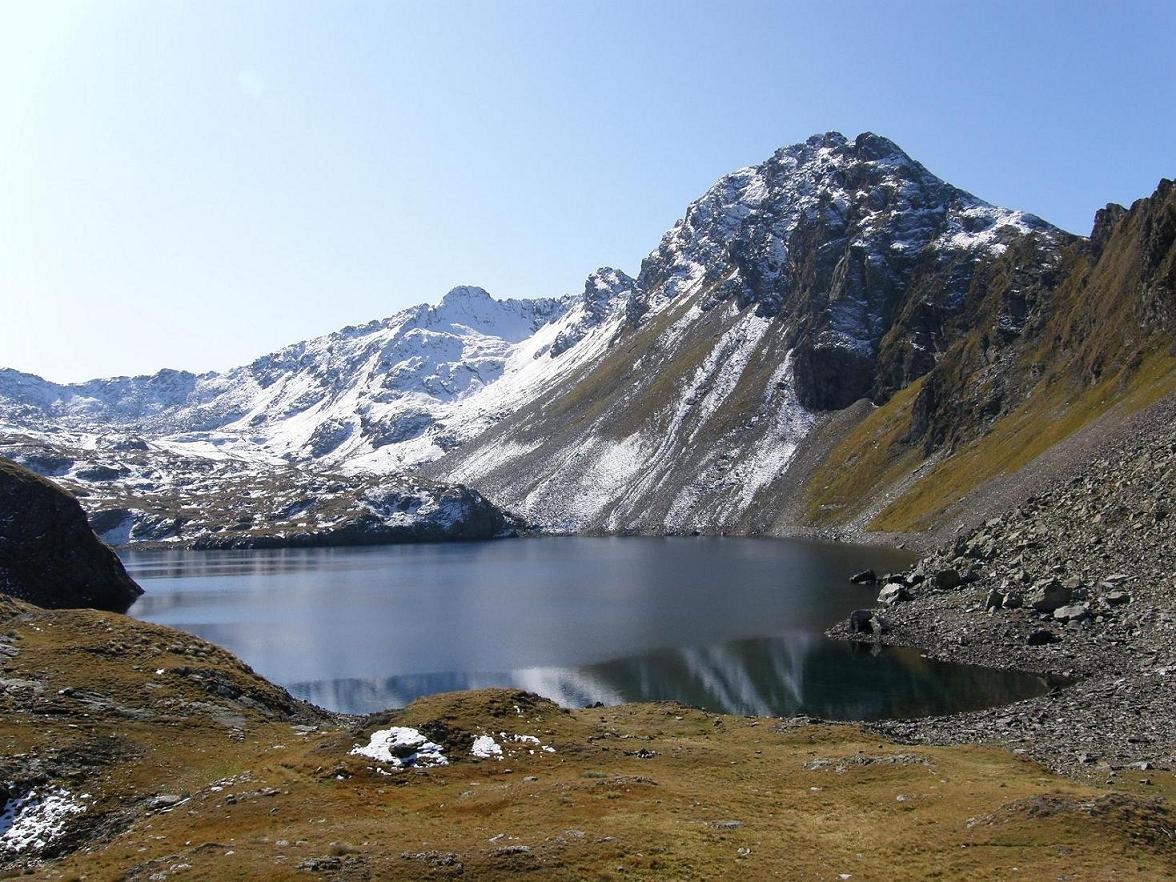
48	553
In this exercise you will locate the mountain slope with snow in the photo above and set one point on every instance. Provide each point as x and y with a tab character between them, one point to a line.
379	396
814	319
830	273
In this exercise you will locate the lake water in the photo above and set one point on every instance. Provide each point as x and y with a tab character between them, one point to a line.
729	624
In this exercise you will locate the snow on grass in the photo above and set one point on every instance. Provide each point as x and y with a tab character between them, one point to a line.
485	747
492	457
401	746
725	363
530	740
32	821
588	477
775	448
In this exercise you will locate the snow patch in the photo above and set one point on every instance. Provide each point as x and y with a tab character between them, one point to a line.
485	747
32	821
401	746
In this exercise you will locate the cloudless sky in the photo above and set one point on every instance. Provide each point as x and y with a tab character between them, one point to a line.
192	184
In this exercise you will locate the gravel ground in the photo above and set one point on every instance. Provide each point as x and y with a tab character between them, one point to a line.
1096	553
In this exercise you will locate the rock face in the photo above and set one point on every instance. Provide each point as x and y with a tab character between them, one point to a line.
48	553
1048	340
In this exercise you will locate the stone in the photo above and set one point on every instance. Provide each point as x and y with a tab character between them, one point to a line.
1073	613
1048	594
321	865
894	593
1013	600
865	577
994	600
859	621
1117	598
1042	637
865	621
945	580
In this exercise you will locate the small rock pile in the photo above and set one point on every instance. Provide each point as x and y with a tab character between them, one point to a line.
1078	582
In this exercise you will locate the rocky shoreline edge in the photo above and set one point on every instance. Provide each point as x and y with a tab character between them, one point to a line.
1078	583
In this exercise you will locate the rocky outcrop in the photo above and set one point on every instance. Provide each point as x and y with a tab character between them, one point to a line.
1050	341
48	553
861	252
379	511
162	497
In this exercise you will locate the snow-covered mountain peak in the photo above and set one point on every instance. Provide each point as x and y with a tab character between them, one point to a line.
469	308
830	223
819	243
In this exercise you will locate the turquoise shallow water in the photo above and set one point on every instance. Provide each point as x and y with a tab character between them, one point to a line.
729	624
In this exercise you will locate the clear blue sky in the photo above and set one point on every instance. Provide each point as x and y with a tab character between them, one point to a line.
191	184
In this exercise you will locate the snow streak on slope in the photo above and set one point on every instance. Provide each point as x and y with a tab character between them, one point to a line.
728	422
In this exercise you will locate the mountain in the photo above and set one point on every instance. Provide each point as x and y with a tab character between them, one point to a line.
349	395
1052	354
832	339
836	272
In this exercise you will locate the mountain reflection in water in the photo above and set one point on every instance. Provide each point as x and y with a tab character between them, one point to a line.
765	676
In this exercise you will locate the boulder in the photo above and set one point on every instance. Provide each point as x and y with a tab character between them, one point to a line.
1117	598
945	580
1013	600
1042	637
865	577
859	621
1048	594
1072	613
994	600
894	593
865	621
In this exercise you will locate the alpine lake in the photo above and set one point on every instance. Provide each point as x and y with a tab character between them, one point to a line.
727	624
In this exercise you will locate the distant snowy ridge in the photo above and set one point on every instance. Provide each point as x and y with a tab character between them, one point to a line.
378	397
